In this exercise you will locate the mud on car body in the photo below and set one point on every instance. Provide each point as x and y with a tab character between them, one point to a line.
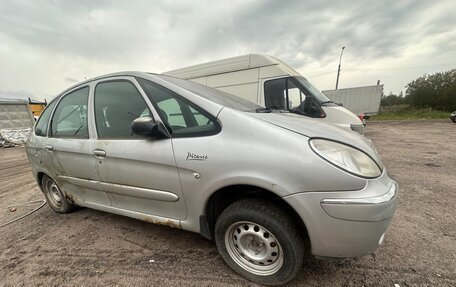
173	152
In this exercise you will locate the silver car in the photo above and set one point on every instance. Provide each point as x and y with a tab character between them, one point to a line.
173	152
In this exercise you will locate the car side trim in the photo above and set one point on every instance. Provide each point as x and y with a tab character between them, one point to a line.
92	184
140	192
133	191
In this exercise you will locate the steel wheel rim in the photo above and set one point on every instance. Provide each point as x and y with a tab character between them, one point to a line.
254	248
54	193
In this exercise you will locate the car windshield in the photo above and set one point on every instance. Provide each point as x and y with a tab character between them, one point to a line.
220	97
312	90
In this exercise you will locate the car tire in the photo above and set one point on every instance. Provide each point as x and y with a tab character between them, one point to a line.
56	199
259	241
454	120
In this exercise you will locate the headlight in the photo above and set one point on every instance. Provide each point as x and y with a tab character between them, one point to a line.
346	157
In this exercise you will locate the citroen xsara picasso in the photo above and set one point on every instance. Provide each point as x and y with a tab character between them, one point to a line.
173	152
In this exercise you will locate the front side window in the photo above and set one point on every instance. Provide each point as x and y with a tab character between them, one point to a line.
295	96
70	116
282	94
291	94
117	105
43	121
182	117
275	96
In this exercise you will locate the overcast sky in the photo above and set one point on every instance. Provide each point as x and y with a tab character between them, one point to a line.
47	46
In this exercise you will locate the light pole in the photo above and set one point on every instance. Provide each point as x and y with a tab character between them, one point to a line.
338	69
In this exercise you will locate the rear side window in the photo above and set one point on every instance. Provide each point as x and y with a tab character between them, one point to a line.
181	116
43	121
70	116
117	105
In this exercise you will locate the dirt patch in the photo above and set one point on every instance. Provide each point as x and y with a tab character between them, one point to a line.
94	248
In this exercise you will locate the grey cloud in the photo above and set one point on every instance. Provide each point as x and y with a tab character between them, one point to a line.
15	94
162	35
85	29
314	29
115	29
71	80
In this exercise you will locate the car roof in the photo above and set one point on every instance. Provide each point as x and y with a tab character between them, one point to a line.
218	97
117	74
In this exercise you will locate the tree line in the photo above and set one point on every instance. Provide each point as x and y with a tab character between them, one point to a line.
436	91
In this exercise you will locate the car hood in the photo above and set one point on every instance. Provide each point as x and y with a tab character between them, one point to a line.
314	128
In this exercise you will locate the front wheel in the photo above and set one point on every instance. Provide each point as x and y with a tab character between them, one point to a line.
259	241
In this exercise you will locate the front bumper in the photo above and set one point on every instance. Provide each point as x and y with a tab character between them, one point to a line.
347	223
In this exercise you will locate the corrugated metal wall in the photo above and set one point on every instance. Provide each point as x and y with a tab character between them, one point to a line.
359	100
15	115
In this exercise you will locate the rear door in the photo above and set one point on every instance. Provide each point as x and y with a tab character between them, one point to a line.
69	149
139	174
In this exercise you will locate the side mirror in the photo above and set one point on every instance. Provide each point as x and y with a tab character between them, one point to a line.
146	127
309	107
304	107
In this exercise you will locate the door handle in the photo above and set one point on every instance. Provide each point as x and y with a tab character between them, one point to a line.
49	147
99	153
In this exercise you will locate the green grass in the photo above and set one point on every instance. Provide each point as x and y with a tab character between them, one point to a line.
411	115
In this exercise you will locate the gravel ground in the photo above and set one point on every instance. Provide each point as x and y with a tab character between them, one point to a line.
94	248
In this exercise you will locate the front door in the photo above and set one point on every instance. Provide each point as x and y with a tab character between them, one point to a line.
139	174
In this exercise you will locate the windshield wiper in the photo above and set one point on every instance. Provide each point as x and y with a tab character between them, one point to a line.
327	102
263	110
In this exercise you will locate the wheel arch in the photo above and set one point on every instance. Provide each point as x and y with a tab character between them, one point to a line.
223	197
39	179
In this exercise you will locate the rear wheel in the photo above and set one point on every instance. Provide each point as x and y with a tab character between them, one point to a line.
55	197
259	241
